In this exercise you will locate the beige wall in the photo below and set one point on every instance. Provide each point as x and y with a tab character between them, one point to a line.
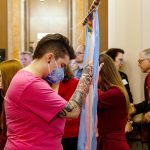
59	21
103	22
39	20
50	16
79	12
80	15
19	37
129	23
80	9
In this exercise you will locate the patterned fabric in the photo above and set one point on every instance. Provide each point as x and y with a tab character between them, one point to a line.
78	73
87	131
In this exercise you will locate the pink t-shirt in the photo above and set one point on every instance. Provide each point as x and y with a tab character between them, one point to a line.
31	114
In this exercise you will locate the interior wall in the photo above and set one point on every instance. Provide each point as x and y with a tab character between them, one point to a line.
50	16
81	9
80	12
129	23
3	24
103	23
14	28
75	31
145	24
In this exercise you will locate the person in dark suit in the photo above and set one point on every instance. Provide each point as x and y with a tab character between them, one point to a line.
77	64
117	55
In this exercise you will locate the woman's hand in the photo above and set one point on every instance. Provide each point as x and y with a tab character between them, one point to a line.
100	66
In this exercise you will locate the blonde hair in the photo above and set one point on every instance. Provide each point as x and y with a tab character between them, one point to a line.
8	69
110	77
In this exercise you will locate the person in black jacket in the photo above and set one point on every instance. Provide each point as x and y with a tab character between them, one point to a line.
117	55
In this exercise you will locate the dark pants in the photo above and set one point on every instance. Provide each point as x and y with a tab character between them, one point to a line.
139	138
70	143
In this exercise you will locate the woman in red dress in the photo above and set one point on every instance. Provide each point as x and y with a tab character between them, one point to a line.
65	89
113	108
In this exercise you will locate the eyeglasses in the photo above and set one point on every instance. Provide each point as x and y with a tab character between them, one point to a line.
141	60
121	60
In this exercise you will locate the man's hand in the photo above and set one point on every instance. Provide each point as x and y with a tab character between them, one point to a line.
147	117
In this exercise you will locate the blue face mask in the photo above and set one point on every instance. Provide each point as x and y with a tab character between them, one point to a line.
55	76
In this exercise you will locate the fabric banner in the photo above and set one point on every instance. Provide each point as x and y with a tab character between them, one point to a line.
88	121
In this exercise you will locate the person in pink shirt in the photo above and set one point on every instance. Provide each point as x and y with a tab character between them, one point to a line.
35	114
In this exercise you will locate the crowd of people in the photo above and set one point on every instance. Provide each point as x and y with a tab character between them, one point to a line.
43	93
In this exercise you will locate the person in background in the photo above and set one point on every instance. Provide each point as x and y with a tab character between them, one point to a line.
144	107
8	69
77	64
113	107
117	55
25	58
36	114
66	89
70	137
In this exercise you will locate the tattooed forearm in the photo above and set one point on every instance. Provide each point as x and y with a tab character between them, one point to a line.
62	113
77	97
83	86
68	108
73	107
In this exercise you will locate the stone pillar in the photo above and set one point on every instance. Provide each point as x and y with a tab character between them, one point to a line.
14	28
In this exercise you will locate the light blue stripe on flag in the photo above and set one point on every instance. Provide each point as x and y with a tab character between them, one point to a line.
86	47
96	65
82	129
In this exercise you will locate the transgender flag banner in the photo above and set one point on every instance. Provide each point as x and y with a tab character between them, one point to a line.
88	121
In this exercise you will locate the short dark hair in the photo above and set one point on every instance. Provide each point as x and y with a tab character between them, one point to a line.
113	52
55	43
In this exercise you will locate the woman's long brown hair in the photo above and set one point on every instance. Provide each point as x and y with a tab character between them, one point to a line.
110	77
8	69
